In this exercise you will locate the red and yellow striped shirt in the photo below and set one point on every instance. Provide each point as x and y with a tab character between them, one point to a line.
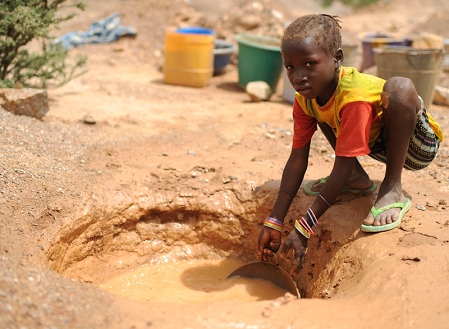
354	112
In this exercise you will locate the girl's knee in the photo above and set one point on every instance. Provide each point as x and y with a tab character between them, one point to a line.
400	92
399	86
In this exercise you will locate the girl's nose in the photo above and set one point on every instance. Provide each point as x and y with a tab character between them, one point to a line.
298	77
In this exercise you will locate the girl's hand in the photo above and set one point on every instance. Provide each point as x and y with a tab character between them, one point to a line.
269	242
298	243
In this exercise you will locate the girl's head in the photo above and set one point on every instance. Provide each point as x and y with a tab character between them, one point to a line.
312	55
325	30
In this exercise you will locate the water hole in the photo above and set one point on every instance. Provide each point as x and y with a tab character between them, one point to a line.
181	255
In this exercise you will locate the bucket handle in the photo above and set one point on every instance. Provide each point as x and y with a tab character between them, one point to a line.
411	64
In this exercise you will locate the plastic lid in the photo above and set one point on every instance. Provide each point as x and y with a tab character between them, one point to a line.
196	30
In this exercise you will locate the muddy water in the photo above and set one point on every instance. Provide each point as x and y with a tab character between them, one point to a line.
191	281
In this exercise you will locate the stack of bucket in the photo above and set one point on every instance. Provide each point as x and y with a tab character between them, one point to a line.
371	40
189	57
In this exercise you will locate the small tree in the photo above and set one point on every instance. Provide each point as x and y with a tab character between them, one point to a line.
22	21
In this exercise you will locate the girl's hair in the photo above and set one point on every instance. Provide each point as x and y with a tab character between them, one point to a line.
325	29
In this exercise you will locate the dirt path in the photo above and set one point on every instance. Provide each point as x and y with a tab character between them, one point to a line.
73	195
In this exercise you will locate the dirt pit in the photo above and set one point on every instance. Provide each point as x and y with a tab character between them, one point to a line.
183	174
103	250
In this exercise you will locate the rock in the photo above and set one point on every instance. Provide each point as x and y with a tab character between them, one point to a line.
88	119
27	101
258	91
212	7
441	96
426	40
249	22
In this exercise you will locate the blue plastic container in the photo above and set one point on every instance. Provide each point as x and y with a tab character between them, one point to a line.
222	55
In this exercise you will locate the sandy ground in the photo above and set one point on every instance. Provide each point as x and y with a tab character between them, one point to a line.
79	202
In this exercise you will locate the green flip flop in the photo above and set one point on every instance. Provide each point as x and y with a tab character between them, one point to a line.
308	188
405	206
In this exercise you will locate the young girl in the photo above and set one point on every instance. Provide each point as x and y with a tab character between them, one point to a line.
359	114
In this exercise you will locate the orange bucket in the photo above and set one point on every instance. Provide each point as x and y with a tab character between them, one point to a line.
189	59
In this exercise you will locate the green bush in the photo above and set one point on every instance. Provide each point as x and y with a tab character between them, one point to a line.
22	21
350	3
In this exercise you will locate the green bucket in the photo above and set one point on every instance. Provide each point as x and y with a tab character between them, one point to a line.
260	59
422	66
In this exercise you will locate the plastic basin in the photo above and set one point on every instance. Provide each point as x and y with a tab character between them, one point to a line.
260	59
222	55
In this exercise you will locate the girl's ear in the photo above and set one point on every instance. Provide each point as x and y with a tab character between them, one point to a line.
338	58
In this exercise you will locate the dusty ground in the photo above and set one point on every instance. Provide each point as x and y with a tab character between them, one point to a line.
177	172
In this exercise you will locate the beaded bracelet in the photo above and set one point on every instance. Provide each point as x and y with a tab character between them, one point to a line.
301	230
274	224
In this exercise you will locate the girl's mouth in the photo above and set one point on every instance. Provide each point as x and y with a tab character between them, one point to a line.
302	88
305	92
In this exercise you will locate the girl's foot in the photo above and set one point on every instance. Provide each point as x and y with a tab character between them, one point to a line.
355	183
387	216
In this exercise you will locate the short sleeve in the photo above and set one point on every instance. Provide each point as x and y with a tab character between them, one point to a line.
304	126
356	121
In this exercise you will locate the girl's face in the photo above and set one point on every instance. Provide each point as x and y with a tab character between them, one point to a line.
310	70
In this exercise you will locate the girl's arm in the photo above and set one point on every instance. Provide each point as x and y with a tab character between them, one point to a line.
330	191
292	178
269	240
340	174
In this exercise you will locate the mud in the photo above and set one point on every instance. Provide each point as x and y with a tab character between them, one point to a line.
188	282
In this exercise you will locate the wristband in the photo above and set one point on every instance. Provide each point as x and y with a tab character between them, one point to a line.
301	230
306	226
312	217
285	191
274	224
325	201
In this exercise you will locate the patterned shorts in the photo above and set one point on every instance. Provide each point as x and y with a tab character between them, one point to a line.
422	149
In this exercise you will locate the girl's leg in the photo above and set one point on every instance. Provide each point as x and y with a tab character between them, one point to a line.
400	107
359	179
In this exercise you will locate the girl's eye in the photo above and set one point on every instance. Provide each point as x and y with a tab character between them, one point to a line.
289	67
309	64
